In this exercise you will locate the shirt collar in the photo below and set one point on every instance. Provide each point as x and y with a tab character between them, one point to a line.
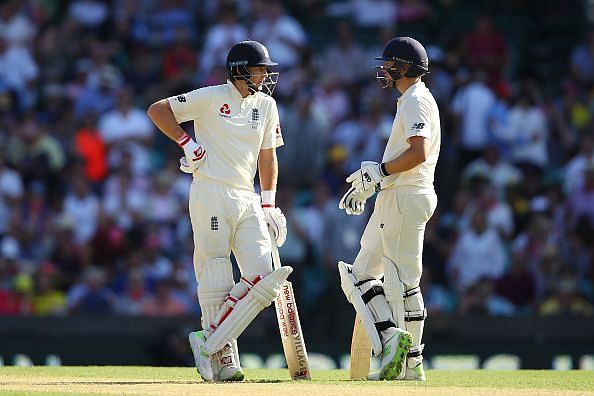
233	91
419	84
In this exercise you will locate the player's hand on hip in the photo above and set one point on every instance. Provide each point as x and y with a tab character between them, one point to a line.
353	201
195	154
367	178
278	222
184	166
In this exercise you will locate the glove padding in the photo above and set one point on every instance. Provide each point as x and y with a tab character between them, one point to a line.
366	178
183	165
353	201
195	156
278	222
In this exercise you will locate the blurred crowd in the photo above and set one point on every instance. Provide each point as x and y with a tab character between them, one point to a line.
93	209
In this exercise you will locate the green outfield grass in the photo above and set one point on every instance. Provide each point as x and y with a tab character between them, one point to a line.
110	380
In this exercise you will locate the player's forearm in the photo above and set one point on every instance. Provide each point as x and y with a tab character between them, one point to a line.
409	159
268	169
162	116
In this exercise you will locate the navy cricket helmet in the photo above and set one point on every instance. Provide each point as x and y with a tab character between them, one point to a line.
251	53
410	60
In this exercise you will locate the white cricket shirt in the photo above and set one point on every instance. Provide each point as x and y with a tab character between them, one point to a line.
231	128
417	115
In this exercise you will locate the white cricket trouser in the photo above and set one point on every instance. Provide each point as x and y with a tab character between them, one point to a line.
226	219
396	231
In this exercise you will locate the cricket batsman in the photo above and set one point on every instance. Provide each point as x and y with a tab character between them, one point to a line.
393	312
236	132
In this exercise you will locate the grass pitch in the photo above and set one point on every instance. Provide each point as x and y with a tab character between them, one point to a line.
110	380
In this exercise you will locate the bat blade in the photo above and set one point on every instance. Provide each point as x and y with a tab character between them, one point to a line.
360	352
291	335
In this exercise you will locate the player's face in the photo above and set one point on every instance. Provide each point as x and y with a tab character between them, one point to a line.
387	65
258	73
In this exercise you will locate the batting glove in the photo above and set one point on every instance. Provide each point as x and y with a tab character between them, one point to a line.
184	166
274	217
368	177
353	201
195	154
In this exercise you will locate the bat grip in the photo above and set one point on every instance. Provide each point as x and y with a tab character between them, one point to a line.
276	263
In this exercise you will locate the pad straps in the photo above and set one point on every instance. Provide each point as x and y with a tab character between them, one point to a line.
374	291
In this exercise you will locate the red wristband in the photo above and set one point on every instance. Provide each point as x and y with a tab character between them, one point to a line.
185	138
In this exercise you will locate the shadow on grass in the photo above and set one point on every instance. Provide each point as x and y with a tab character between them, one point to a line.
177	382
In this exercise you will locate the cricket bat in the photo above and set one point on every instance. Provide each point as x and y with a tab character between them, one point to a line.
289	325
360	352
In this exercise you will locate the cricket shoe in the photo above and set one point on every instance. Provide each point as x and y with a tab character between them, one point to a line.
224	366
416	373
394	355
202	359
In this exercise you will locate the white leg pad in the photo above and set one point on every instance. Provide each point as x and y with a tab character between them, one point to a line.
408	309
394	290
245	310
216	281
414	319
369	302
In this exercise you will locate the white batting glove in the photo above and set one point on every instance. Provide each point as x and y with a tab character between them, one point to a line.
353	201
274	217
366	178
195	154
184	166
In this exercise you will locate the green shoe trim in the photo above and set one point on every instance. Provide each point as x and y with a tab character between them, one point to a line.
393	369
238	376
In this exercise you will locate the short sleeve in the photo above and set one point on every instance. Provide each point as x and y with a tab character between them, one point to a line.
189	106
417	118
272	131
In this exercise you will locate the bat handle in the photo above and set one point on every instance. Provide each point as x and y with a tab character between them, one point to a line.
276	263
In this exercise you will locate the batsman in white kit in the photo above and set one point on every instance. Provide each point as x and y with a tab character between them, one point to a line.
392	311
237	131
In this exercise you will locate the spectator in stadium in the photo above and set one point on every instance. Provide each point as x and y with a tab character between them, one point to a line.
90	147
484	47
567	299
91	296
528	131
480	299
164	302
306	127
280	33
498	171
517	284
581	63
470	107
478	253
48	299
226	31
574	171
127	129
